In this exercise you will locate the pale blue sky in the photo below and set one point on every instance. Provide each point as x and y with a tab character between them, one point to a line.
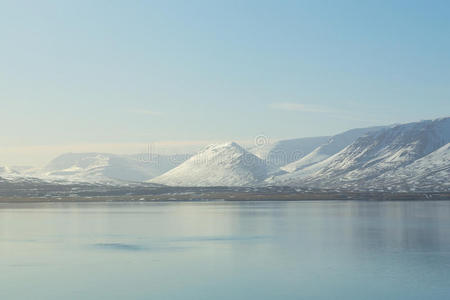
116	75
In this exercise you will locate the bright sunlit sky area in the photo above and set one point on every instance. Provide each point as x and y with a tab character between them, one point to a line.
116	76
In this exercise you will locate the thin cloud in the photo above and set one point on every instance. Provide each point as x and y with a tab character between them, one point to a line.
146	112
292	106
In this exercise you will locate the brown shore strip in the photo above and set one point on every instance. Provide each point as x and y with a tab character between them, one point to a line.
235	196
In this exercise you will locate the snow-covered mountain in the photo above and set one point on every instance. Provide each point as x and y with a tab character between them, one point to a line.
218	165
332	146
286	151
407	157
431	172
8	173
105	167
386	150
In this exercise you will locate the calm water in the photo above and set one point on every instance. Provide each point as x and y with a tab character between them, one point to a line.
217	250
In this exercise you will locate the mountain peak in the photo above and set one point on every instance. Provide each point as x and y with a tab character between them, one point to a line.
227	145
225	164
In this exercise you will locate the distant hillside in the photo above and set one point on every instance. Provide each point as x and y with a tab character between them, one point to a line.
105	167
286	151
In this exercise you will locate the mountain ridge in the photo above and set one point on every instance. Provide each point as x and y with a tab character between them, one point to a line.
335	144
372	155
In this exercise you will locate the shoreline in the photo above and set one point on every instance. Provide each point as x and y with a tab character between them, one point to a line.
233	196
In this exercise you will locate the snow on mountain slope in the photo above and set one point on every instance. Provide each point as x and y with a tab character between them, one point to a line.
332	146
218	165
431	172
105	167
372	155
8	173
286	151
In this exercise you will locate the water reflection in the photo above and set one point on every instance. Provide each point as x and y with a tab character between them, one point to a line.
119	247
224	250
